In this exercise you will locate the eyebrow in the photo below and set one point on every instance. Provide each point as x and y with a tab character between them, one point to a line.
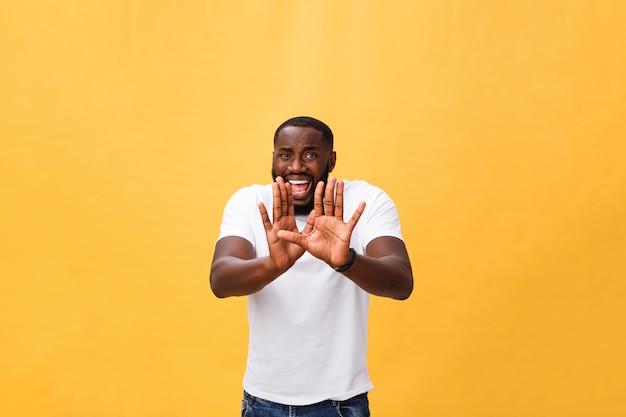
306	148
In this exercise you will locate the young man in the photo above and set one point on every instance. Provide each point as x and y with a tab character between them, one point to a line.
308	250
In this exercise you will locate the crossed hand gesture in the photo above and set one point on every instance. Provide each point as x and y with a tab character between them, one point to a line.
325	234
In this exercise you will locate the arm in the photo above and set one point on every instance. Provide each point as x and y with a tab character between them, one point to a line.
384	270
236	270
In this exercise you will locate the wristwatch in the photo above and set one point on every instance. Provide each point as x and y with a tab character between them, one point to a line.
348	266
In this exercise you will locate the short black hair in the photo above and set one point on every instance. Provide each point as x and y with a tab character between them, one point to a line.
306	121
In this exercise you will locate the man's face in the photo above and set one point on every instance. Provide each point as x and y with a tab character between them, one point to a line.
303	158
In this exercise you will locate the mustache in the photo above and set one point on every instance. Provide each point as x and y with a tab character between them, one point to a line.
323	178
305	209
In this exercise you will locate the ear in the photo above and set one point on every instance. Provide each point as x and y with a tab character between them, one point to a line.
331	161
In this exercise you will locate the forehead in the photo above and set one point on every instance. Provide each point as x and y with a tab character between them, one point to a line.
296	137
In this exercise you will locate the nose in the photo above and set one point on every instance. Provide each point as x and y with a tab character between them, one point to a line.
296	165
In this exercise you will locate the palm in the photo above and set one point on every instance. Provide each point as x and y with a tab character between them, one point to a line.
328	239
282	253
325	235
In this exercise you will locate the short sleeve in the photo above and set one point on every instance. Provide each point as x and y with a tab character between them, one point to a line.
238	215
380	218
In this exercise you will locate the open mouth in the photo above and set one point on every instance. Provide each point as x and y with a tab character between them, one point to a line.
300	188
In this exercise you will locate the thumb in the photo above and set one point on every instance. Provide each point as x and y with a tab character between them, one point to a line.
291	237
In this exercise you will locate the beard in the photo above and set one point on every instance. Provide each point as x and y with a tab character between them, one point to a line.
306	208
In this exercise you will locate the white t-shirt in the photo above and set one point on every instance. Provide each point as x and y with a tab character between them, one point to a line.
308	328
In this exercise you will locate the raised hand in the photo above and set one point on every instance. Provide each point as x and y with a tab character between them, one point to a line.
283	253
325	235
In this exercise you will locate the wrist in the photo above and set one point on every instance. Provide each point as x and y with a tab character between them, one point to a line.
349	264
274	270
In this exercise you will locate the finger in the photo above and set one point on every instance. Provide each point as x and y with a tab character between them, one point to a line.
284	207
310	224
339	201
292	237
329	198
319	198
290	209
265	217
356	216
276	204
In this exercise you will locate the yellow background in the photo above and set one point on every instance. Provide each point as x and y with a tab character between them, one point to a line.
497	127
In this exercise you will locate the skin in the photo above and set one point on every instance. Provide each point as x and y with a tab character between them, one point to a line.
301	153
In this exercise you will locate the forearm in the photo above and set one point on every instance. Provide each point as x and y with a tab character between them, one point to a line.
233	276
387	276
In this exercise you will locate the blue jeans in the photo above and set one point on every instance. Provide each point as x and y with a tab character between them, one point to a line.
353	407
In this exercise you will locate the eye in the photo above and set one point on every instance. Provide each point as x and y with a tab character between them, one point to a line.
311	155
284	155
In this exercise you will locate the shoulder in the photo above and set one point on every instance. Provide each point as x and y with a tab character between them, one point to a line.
375	197
255	188
380	217
359	184
252	192
246	199
362	190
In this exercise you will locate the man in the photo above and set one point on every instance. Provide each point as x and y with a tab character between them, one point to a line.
308	250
